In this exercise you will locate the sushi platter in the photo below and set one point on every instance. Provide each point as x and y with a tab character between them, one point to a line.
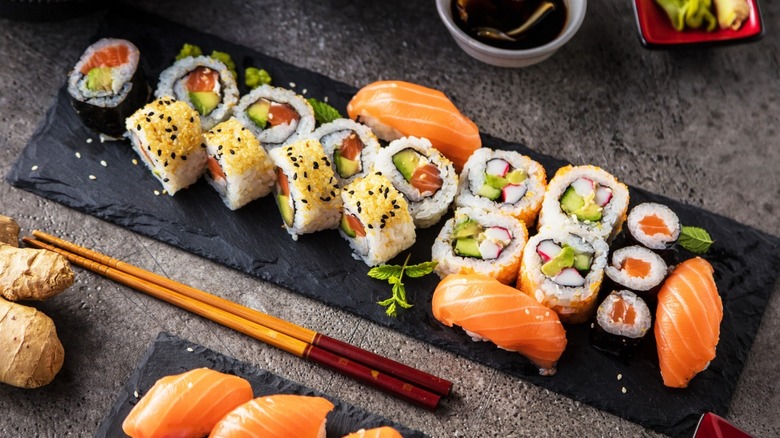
172	355
68	163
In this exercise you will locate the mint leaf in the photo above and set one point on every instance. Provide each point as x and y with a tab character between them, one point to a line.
323	112
694	239
421	269
384	272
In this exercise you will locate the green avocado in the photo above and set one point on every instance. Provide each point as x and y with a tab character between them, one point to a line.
258	112
571	201
495	181
490	192
204	101
99	79
406	161
468	247
286	209
516	176
590	212
346	228
564	259
582	262
466	229
344	166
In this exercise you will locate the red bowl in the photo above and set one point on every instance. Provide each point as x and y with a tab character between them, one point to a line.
713	426
656	32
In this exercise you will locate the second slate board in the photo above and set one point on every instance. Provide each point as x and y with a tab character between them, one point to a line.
320	265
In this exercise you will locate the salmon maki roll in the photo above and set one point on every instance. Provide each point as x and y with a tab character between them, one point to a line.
186	405
687	322
379	432
281	415
395	109
489	310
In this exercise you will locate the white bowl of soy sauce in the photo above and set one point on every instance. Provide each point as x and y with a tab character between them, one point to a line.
511	33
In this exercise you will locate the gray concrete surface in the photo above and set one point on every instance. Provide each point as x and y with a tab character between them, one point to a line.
700	126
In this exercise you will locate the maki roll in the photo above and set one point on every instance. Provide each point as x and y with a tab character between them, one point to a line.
166	135
503	180
653	225
276	116
637	268
306	190
375	219
352	147
563	269
586	196
238	167
106	85
622	320
478	241
204	83
425	177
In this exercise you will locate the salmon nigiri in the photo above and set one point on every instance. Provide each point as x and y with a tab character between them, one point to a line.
186	405
488	309
395	109
379	432
281	415
687	322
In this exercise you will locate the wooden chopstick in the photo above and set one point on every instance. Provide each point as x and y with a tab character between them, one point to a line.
293	345
412	375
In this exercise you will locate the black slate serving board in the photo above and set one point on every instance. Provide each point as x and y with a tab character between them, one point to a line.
320	266
170	355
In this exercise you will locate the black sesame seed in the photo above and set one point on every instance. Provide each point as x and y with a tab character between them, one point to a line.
358	203
296	165
232	152
173	155
162	116
379	173
396	206
370	226
392	213
384	217
151	113
168	130
382	226
165	180
138	127
219	130
203	145
148	120
359	209
169	119
184	157
149	147
175	128
305	175
192	119
325	199
165	164
159	152
333	193
219	148
293	159
238	139
308	187
351	192
371	193
304	201
295	176
173	137
315	165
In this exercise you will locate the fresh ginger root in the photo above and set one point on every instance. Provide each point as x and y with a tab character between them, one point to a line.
30	352
9	231
32	274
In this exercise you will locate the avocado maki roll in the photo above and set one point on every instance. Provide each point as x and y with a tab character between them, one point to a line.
166	135
306	190
563	269
422	174
478	241
352	147
238	167
588	197
106	85
204	83
375	219
622	321
276	116
506	181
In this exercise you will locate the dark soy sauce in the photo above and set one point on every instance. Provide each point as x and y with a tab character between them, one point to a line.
506	15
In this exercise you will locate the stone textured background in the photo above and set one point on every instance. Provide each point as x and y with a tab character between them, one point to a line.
699	126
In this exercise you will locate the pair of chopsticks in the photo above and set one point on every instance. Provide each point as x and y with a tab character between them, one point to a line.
407	383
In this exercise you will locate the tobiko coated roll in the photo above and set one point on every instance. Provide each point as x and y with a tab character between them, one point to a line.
204	83
503	180
637	268
307	191
586	196
622	321
563	269
478	241
276	116
425	177
238	167
352	146
375	219
106	85
653	225
166	135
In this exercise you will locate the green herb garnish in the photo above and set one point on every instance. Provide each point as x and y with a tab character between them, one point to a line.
394	274
188	50
694	239
226	59
255	77
323	112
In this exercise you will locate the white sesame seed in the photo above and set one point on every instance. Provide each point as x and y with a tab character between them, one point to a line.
190	349
92	177
527	312
165	192
619	376
89	140
157	193
103	163
292	84
189	385
78	154
325	99
304	91
546	313
35	167
135	394
623	390
135	162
